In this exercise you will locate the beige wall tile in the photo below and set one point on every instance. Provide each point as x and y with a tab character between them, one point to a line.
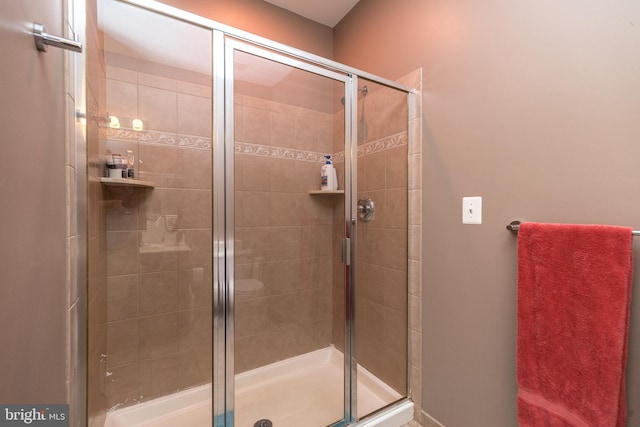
396	208
395	242
196	209
194	287
157	108
194	327
252	316
121	209
199	254
238	122
415	165
197	168
204	91
374	106
155	81
255	173
256	125
122	252
194	366
284	209
122	297
283	130
285	243
194	115
372	282
396	321
160	159
325	134
158	293
374	171
396	294
158	335
281	276
158	261
256	103
415	207
254	239
306	131
396	167
285	176
122	74
253	209
122	342
122	98
309	242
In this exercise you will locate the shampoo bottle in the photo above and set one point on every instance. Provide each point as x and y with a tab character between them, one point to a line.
327	177
335	178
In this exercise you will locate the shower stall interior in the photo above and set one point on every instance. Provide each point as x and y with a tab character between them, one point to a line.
231	290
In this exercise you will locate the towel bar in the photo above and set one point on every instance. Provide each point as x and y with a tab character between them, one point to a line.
515	226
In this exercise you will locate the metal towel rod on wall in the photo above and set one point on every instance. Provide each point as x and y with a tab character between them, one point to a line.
43	39
515	226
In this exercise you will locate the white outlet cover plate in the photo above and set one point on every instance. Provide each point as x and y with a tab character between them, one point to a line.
472	210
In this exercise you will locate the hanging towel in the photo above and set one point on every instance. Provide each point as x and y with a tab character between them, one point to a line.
574	291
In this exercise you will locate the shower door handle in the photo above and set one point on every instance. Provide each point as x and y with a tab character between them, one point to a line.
346	251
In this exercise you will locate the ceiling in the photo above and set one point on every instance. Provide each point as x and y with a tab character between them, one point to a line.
327	12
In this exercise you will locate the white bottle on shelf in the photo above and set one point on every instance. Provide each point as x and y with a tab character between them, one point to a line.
327	176
335	178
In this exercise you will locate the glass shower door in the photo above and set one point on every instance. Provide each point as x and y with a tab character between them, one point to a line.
155	111
381	259
287	280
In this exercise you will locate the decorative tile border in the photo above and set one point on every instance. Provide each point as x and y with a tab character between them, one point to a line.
383	144
157	138
190	141
277	152
388	143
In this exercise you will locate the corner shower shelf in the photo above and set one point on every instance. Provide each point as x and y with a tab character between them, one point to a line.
126	182
325	192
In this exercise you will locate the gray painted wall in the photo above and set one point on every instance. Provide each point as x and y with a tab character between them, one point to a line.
33	222
535	106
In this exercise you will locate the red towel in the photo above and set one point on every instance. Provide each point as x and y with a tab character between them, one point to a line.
574	292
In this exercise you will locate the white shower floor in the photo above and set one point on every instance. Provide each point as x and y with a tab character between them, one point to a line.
302	391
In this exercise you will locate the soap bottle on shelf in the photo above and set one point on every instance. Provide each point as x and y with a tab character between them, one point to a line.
335	179
130	164
327	175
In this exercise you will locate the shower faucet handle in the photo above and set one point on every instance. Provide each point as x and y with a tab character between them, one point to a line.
366	209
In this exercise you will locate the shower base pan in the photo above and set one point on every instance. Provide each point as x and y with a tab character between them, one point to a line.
280	392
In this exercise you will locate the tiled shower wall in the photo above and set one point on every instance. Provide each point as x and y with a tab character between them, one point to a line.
158	240
158	299
283	234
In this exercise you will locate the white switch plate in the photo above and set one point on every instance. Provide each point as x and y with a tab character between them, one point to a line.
472	210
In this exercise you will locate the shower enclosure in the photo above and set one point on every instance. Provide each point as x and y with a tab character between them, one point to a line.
236	292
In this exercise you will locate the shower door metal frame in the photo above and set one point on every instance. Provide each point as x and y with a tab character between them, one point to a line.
223	219
231	45
220	347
